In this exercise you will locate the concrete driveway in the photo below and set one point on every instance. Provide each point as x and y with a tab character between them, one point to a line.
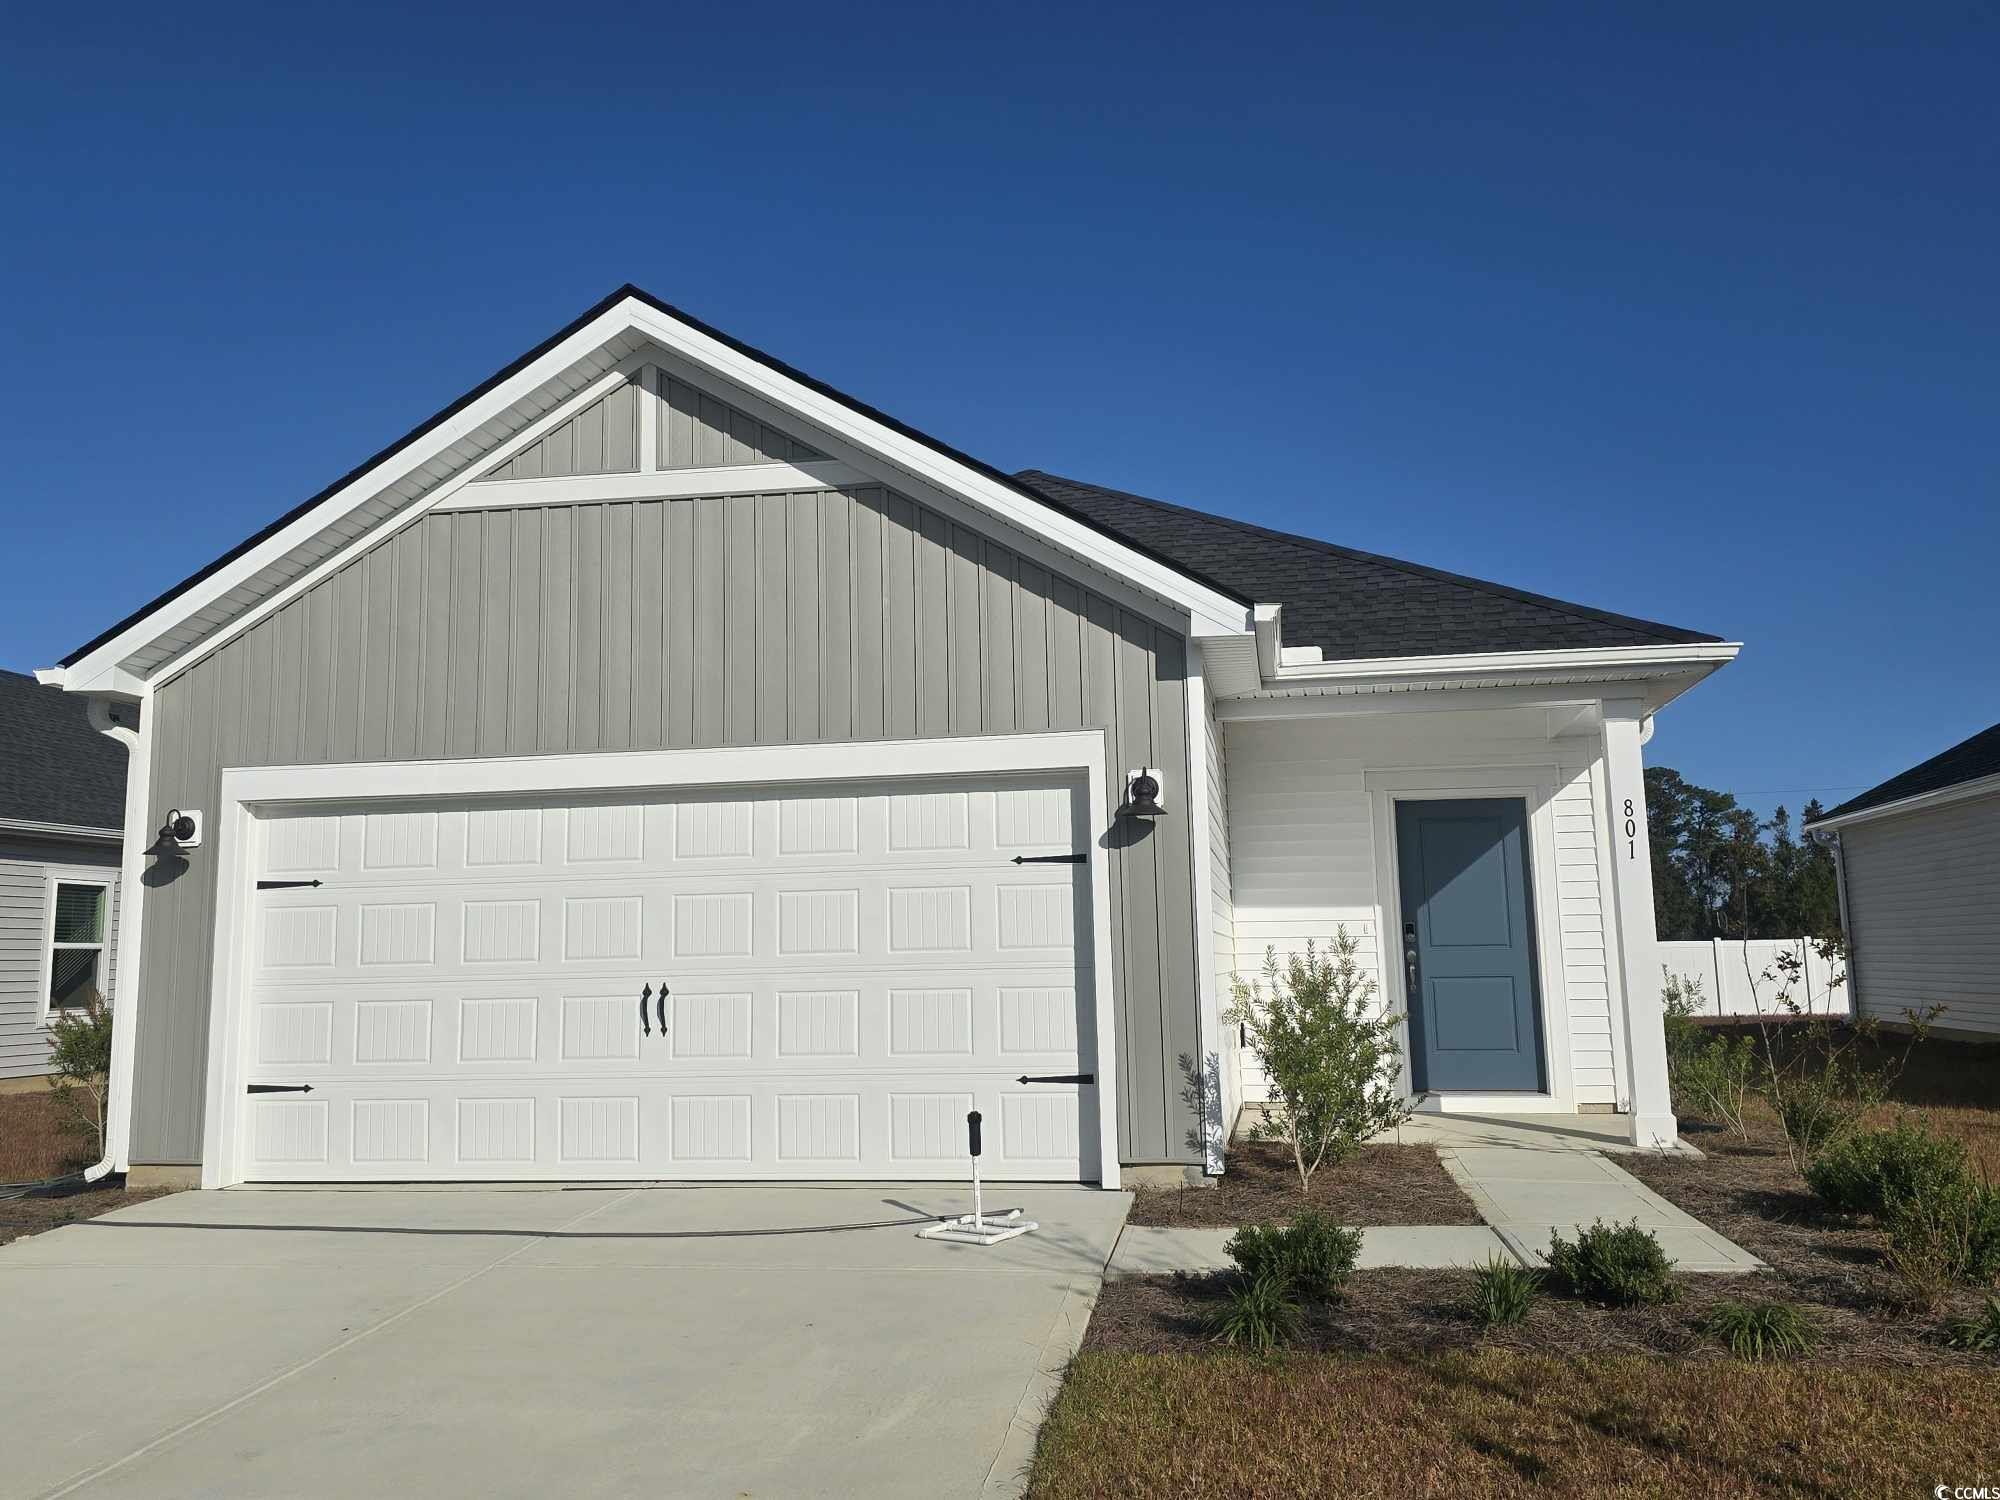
539	1341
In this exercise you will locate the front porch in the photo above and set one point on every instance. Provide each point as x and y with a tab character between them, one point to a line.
1487	849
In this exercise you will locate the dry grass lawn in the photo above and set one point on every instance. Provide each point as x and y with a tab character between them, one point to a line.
35	1146
33	1142
1498	1423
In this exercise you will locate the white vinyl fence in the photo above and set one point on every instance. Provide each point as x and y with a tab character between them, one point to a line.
1726	969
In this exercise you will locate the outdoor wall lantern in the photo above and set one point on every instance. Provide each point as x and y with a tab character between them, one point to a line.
1142	793
183	829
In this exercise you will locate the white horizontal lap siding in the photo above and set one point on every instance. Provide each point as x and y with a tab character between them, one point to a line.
1923	895
24	873
1586	948
1302	852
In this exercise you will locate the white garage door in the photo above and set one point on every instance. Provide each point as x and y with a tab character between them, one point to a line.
774	985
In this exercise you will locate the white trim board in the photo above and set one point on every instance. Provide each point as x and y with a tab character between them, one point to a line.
1536	785
250	790
53	876
658	484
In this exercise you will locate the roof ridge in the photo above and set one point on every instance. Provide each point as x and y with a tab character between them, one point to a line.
1669	634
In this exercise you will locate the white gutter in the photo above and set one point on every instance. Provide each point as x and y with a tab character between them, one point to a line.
138	745
1474	665
60	830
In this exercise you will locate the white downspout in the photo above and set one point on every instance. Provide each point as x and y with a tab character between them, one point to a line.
138	745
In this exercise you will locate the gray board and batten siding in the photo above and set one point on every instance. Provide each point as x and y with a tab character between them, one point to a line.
696	431
795	618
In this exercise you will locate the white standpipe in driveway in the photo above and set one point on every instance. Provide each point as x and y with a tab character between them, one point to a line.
974	1228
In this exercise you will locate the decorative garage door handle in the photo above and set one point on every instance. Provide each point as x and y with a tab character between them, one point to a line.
645	995
663	1007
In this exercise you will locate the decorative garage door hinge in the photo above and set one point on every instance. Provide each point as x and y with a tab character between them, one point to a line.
1050	859
279	1088
284	885
1057	1078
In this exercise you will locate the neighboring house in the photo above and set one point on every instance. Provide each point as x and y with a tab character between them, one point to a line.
1919	865
661	765
62	804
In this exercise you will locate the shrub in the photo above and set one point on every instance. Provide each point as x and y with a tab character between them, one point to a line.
1502	1292
1314	1254
1333	1063
1710	1076
1814	1109
1944	1231
1760	1330
1620	1265
1982	1332
80	1064
1864	1171
1812	1068
1260	1313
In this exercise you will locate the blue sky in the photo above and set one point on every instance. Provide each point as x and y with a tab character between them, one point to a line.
1690	312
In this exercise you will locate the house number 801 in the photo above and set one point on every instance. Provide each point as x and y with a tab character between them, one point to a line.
1631	831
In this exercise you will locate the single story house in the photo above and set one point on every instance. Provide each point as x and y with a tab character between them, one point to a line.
660	764
1918	860
62	814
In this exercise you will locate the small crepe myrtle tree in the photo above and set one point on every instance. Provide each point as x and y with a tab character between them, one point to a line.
80	1065
1334	1065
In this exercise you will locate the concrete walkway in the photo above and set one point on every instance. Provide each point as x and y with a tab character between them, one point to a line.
1527	1193
1527	1175
1148	1250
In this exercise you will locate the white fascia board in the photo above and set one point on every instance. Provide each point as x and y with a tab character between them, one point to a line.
1209	610
1965	791
1268	623
105	680
1387	669
106	658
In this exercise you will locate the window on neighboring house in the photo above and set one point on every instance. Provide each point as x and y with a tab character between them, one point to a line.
76	943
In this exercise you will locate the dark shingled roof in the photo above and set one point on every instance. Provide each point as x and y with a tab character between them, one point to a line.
1968	760
1354	605
54	768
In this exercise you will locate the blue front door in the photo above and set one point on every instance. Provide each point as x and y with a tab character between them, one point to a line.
1468	943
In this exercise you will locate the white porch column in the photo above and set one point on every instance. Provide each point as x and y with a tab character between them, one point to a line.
1653	1122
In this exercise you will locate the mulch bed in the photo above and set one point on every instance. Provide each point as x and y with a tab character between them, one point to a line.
1382	1185
20	1217
1425	1312
1747	1190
